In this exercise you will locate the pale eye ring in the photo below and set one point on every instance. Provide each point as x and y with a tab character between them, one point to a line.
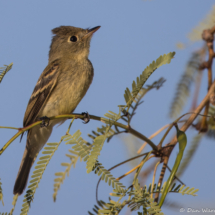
73	38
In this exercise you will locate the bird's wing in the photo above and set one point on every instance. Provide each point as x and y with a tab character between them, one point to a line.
41	93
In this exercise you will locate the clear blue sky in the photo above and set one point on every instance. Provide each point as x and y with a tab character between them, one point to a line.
132	35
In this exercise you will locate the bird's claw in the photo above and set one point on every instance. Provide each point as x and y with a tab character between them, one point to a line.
86	117
45	121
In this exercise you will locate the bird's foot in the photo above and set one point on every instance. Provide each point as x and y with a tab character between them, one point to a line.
86	117
45	121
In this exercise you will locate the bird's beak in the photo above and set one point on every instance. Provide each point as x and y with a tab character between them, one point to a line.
90	32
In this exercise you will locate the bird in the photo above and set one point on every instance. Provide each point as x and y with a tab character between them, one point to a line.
59	89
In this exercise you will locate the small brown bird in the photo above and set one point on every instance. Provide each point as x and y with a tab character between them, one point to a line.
60	88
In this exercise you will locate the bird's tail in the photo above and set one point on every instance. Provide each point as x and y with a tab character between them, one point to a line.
24	170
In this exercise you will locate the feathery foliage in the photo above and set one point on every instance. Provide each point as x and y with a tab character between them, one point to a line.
142	199
108	177
138	197
112	208
101	131
81	147
177	189
73	156
101	205
173	189
95	152
84	151
208	22
188	191
99	139
183	87
130	96
156	85
48	151
137	93
4	70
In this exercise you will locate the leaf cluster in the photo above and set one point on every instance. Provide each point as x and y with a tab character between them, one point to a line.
131	96
48	151
84	150
138	198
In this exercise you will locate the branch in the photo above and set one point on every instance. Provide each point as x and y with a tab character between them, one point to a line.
208	37
81	116
183	128
193	116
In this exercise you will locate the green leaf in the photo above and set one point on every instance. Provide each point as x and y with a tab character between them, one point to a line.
136	87
4	71
108	177
95	152
182	139
193	146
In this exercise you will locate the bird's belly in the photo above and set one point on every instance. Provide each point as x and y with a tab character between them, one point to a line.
67	96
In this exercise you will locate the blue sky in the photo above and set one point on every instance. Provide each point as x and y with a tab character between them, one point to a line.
132	35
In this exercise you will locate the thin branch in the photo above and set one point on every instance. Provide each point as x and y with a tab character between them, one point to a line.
10	127
143	146
132	170
145	173
153	179
69	116
194	115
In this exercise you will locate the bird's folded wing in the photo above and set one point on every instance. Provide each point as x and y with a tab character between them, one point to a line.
41	93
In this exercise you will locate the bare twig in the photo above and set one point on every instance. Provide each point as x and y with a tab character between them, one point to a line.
153	179
132	170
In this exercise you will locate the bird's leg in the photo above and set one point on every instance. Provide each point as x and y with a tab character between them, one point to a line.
45	121
86	117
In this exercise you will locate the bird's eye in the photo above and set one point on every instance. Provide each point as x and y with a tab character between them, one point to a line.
73	38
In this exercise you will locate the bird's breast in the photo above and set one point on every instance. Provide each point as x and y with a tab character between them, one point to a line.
72	85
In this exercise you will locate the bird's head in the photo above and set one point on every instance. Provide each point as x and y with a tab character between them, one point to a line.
71	42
